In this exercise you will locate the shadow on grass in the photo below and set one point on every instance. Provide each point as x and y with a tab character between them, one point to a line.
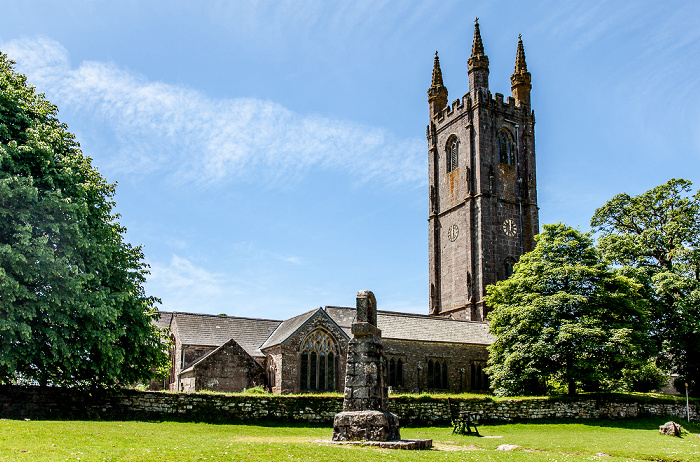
635	423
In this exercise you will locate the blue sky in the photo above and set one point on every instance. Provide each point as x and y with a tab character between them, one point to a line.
271	155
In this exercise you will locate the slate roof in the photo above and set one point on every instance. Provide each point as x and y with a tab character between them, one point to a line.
211	330
163	319
418	327
253	334
287	328
214	351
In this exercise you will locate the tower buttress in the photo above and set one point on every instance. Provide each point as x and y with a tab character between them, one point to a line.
478	65
437	93
520	81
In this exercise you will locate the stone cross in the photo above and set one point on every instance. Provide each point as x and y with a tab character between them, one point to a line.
366	307
365	413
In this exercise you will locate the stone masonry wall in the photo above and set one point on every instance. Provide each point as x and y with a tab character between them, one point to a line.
458	356
57	404
228	368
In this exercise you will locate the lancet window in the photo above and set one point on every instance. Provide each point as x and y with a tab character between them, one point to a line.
395	372
437	374
452	153
480	381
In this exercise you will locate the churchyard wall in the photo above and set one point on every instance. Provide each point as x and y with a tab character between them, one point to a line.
60	403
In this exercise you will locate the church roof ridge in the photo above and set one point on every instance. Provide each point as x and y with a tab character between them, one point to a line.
212	330
429	316
403	314
219	316
291	326
412	326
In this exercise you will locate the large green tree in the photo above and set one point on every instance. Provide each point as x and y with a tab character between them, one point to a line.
655	238
563	319
72	305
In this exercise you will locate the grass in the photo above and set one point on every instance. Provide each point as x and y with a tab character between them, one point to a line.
634	439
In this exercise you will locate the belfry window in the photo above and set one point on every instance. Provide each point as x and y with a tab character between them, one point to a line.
506	147
319	357
452	154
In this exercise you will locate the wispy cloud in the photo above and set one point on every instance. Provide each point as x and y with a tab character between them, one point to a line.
191	287
190	137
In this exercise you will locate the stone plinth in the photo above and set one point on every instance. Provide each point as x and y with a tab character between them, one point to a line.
366	425
394	444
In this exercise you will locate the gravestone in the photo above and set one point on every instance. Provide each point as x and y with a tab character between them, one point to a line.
365	413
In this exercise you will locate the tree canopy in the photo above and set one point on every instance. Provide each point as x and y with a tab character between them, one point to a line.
655	238
73	310
563	319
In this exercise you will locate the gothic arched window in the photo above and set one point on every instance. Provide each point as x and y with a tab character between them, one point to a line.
395	372
480	381
318	358
506	147
437	374
452	153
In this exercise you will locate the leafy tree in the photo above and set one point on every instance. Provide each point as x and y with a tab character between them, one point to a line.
655	237
72	305
564	318
644	378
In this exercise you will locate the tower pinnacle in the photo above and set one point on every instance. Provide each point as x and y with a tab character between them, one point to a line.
437	72
520	64
478	63
520	81
477	45
437	93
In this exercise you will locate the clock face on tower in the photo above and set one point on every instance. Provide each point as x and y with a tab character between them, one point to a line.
509	227
452	233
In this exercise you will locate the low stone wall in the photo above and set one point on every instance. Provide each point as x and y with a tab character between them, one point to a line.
435	410
57	403
61	403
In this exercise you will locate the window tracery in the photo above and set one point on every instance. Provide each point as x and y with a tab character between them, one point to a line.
396	372
506	147
479	379
452	154
437	374
319	356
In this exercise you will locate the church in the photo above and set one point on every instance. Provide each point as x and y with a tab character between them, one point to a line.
482	217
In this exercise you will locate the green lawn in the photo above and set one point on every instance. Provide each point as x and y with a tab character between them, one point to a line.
636	439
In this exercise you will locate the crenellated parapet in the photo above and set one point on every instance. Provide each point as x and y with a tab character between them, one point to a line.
462	107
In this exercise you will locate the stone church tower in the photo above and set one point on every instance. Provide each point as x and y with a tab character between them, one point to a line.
483	194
